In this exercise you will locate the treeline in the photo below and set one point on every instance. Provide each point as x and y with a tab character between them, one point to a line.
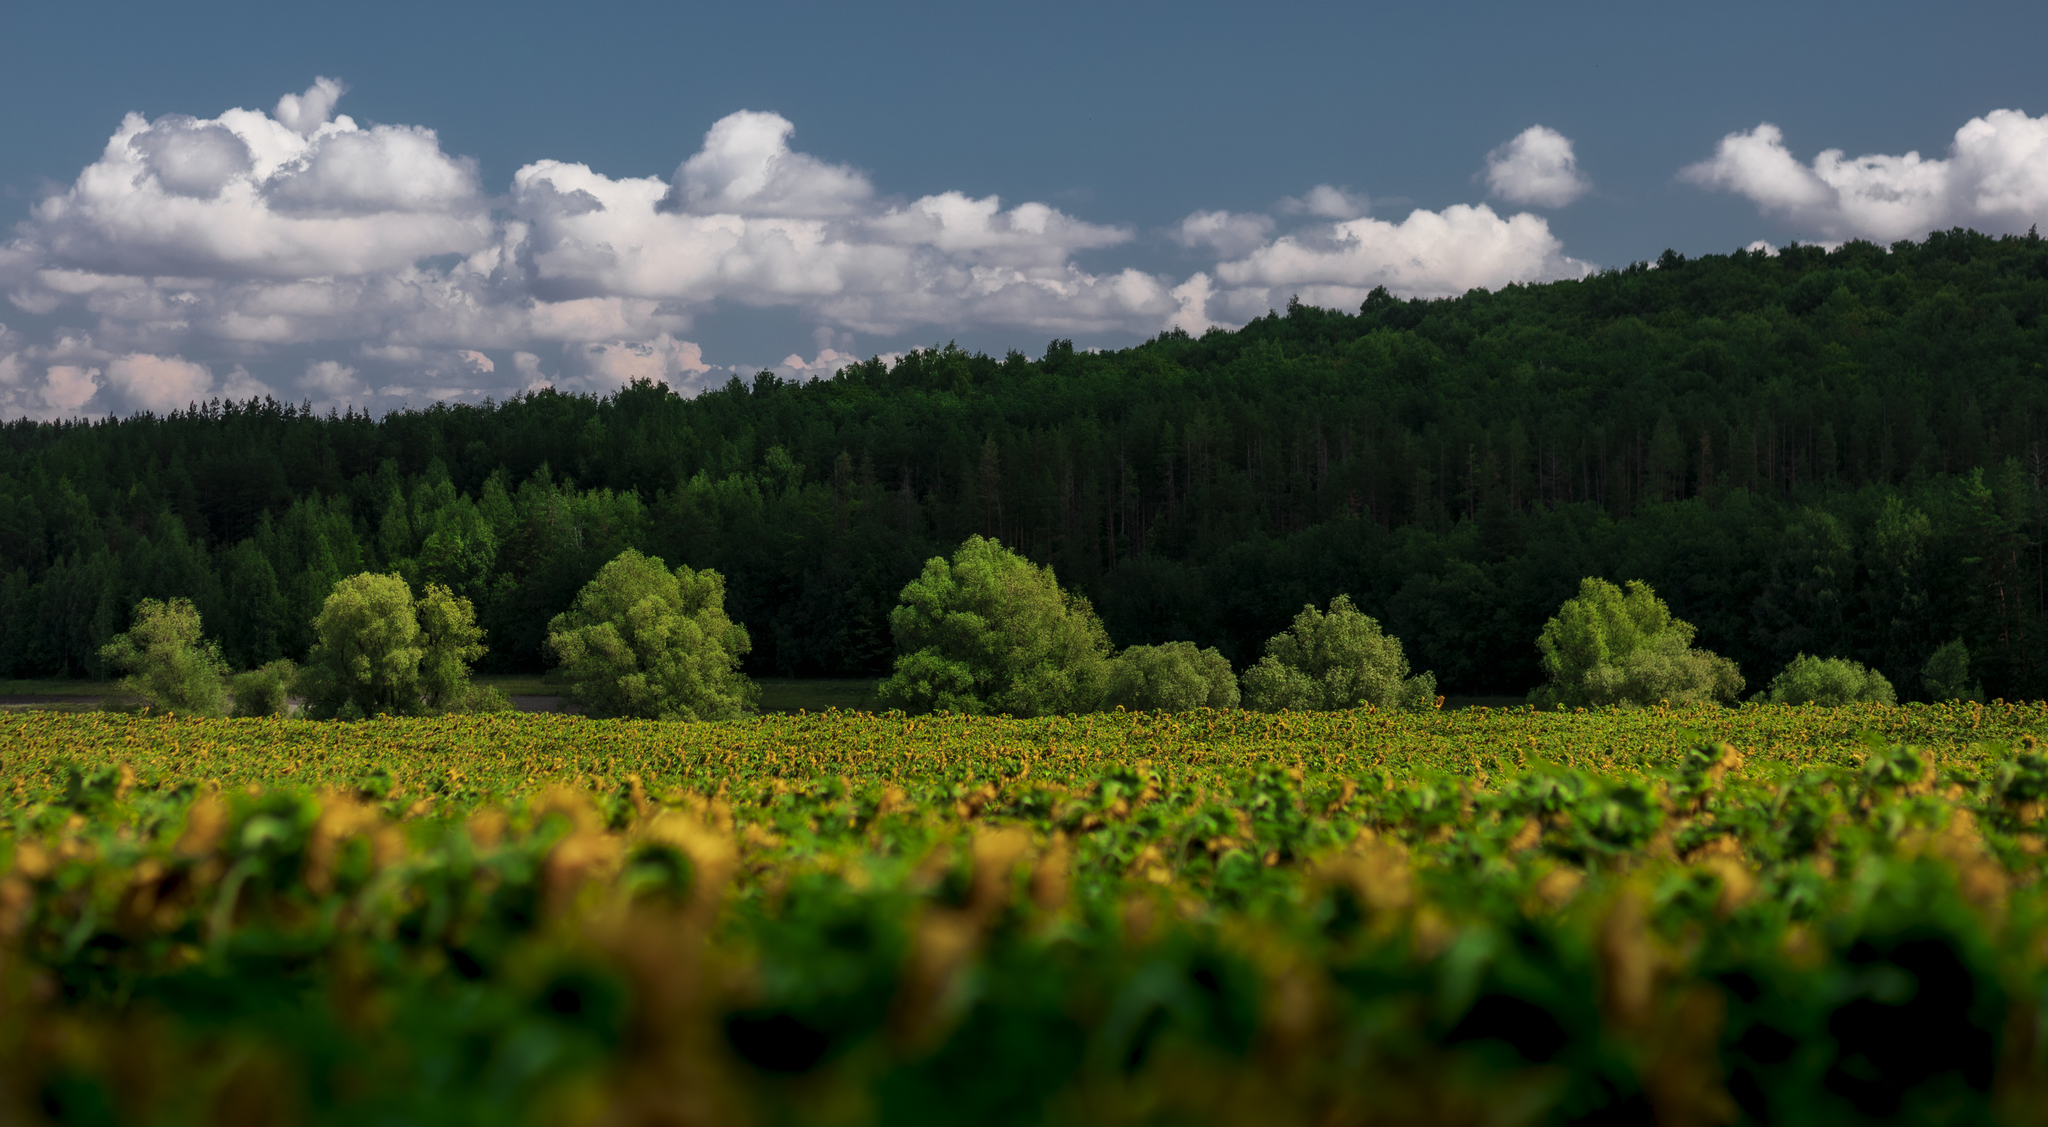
1831	452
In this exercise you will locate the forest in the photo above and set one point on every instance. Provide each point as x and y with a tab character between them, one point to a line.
1832	452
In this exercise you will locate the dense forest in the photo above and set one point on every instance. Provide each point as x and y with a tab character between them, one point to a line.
1833	452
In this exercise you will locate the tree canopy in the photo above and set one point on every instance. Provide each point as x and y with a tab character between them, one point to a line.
167	661
379	650
991	632
645	641
1337	660
1828	681
1607	646
1171	677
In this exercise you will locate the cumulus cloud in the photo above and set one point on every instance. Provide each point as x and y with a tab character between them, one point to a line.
1328	202
193	158
1227	233
73	376
158	383
1191	305
1537	168
331	381
1428	254
244	196
362	263
304	113
823	366
607	366
1995	178
746	167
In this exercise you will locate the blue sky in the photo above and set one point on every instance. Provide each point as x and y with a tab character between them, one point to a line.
492	198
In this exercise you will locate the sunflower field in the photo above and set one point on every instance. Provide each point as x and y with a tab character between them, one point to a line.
1767	914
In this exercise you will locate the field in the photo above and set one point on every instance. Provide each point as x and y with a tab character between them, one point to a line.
1762	914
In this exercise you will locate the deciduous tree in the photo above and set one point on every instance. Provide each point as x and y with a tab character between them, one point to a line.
645	641
991	632
167	661
1337	660
1607	646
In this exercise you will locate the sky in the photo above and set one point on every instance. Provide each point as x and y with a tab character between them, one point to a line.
386	205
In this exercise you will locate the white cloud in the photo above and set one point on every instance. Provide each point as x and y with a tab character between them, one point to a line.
1328	202
284	240
331	381
244	197
1537	168
73	376
1191	299
67	388
1995	179
1429	254
158	383
822	367
609	365
527	364
945	258
303	113
245	229
746	167
1227	233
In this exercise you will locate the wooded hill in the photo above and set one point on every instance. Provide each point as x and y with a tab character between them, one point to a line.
1835	452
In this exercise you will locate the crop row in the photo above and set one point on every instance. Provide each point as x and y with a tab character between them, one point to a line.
1349	918
473	755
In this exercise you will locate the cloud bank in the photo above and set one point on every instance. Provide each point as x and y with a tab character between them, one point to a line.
349	262
1994	179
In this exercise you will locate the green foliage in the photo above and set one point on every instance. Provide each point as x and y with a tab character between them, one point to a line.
1828	681
166	660
644	641
476	699
1455	464
1607	647
449	641
381	651
1946	676
265	691
1333	661
1099	920
991	632
1173	677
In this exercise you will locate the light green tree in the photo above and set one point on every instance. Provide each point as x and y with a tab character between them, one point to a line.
645	641
1828	681
379	650
991	632
1333	661
167	661
266	690
1173	677
1607	646
449	641
1946	676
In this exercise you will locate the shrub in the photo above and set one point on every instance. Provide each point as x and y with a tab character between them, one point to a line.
645	641
264	691
1173	677
1337	660
991	632
477	698
1946	676
1828	681
1609	647
377	649
166	660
